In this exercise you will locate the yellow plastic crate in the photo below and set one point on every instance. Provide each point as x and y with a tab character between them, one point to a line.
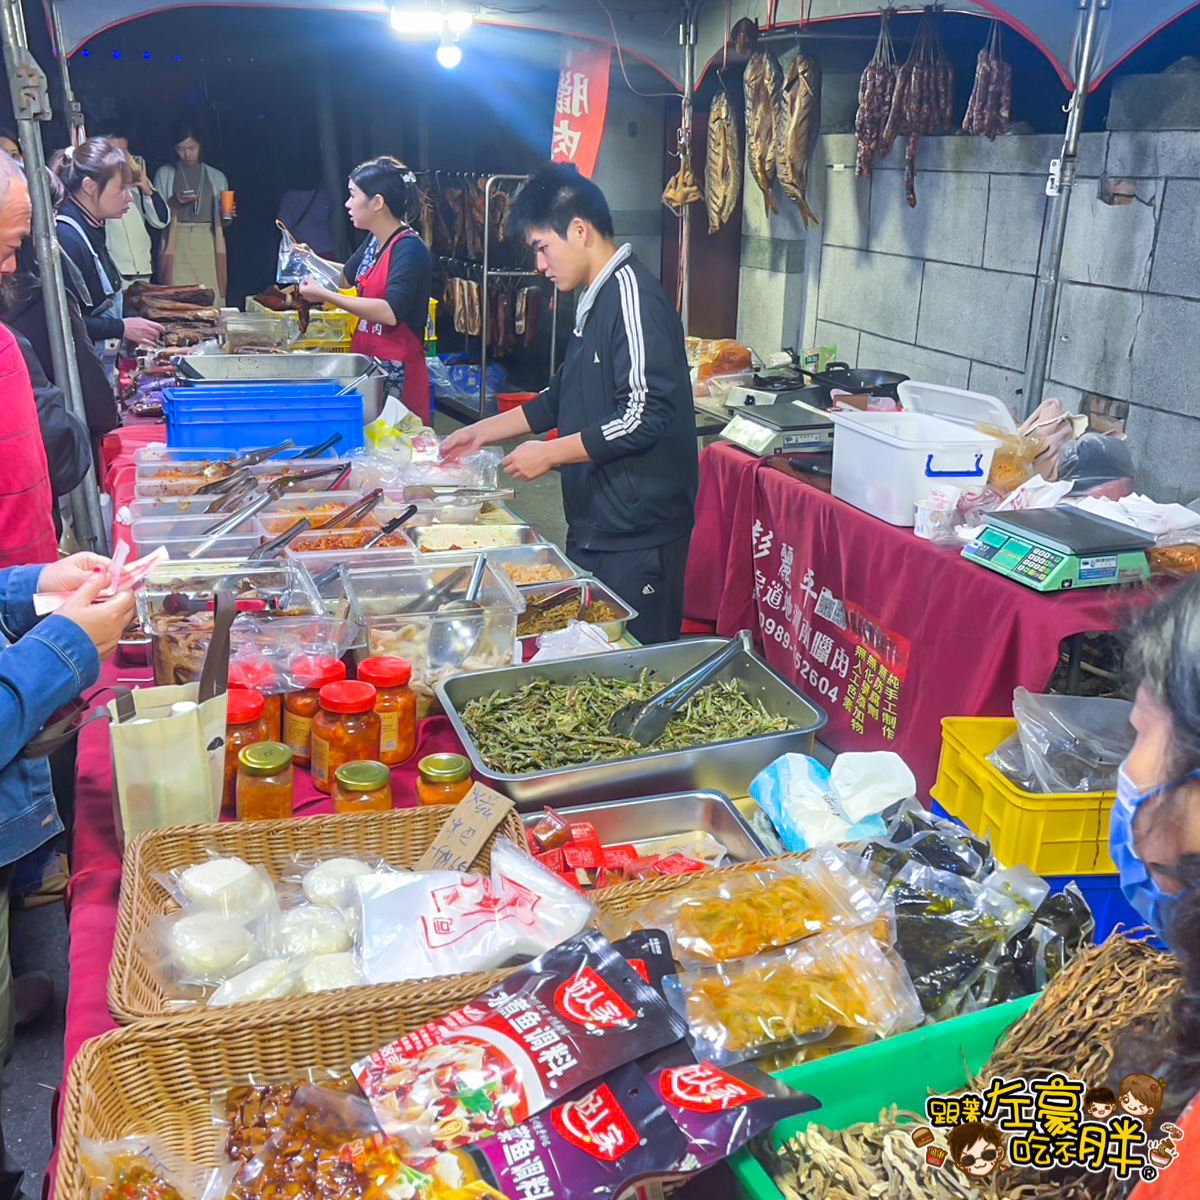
328	328
1051	833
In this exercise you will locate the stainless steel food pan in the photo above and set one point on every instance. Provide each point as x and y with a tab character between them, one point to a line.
654	817
614	630
533	554
244	368
721	766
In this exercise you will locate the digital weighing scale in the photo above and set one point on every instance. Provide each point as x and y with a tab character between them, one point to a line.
1061	549
788	428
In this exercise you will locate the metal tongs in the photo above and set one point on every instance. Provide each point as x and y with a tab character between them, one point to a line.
317	451
273	547
558	595
353	513
331	574
375	367
645	721
429	599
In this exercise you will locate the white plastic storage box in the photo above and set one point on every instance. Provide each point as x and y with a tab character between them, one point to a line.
884	463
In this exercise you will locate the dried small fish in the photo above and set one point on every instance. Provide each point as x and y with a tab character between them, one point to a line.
797	127
723	175
763	82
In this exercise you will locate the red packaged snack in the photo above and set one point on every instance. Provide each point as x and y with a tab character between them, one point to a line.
617	856
570	877
554	1025
639	868
552	860
580	858
551	832
583	833
677	864
594	1146
719	1109
648	952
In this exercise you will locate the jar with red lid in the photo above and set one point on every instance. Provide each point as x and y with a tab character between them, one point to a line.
396	704
258	675
345	729
244	726
312	672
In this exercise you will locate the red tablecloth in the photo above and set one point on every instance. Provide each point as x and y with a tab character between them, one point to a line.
886	632
118	473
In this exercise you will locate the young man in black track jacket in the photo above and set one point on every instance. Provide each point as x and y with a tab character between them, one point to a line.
621	402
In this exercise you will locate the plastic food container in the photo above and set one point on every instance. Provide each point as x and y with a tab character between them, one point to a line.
186	531
883	463
447	538
318	507
377	596
340	541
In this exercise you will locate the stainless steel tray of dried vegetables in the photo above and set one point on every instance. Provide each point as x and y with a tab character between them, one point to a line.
721	763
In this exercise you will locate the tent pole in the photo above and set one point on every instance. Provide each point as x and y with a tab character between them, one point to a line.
31	104
687	34
1059	187
74	108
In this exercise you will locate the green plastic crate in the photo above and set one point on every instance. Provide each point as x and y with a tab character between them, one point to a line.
854	1085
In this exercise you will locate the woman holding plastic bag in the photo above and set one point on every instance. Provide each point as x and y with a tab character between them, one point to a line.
391	274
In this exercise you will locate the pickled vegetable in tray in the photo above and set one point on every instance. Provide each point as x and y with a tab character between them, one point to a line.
554	1025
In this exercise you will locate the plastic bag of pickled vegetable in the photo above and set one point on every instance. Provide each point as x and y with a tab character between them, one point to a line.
719	917
949	929
139	1167
756	1006
909	824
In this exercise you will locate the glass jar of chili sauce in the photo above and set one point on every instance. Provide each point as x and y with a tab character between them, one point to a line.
264	782
362	787
396	704
258	675
312	672
244	725
346	728
443	778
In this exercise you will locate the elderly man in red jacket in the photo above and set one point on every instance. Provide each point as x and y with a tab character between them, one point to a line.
26	501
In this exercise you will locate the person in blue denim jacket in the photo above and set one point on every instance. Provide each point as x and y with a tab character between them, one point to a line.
43	665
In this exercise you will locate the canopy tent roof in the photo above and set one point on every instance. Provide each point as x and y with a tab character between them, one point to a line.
649	30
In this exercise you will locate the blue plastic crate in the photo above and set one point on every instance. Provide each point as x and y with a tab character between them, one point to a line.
245	418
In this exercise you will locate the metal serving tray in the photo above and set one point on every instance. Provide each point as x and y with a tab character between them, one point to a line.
533	554
678	813
613	630
429	535
722	766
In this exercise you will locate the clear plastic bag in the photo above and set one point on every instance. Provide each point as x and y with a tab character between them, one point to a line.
297	262
949	929
716	919
1098	464
418	925
200	949
914	834
280	641
223	884
269	979
1071	743
740	1010
138	1167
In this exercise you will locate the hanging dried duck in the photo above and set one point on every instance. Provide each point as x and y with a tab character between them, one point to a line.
875	91
989	110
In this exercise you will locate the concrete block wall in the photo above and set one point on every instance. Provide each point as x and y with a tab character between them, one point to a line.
945	292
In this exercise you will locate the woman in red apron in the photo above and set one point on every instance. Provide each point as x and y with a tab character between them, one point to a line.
391	273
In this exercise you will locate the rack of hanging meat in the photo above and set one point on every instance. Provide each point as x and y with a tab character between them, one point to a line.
989	111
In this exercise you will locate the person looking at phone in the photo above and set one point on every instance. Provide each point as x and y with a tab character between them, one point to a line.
129	239
194	250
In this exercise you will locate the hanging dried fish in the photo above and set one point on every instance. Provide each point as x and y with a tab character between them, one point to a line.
763	81
723	175
797	127
875	92
989	110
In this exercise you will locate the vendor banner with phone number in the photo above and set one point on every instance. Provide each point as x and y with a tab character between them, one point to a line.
887	633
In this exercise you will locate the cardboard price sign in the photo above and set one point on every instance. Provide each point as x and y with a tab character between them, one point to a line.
470	823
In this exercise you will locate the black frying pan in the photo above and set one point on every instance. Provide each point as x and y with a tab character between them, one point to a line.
859	381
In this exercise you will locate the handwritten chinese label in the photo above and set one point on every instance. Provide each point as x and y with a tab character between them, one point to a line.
580	104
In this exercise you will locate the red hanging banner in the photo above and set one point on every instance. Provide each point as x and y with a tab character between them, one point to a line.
581	103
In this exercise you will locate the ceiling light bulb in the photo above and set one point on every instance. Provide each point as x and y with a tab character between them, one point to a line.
417	22
448	53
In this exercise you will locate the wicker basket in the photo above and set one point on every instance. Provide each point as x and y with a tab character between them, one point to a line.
156	1077
399	838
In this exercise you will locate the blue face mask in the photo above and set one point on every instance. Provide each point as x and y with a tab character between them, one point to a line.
1139	888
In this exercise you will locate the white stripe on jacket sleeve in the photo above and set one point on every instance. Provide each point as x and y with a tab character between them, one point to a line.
631	312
